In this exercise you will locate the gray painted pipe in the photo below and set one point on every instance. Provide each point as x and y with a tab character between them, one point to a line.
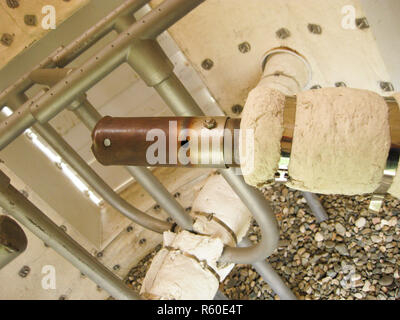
39	224
64	55
94	69
315	206
60	146
90	116
271	277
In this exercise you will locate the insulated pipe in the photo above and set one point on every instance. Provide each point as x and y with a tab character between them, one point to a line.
182	104
287	71
89	116
38	223
60	146
96	68
13	240
271	277
62	56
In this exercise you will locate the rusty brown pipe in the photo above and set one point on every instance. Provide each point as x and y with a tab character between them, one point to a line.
167	141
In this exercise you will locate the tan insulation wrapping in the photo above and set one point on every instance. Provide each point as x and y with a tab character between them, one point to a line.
176	276
263	114
218	198
341	141
394	190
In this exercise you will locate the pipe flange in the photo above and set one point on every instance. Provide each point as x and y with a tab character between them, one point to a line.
292	52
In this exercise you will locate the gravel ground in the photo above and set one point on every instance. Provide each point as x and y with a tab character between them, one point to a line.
353	255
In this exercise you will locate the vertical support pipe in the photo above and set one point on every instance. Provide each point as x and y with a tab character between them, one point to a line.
90	116
38	223
289	72
270	276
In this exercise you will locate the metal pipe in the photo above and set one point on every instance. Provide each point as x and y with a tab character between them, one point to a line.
13	240
166	141
182	104
89	116
98	31
101	64
271	277
315	206
49	77
62	56
38	223
262	213
60	146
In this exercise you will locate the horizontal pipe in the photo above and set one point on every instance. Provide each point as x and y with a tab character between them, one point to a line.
271	277
164	142
49	77
70	156
97	67
13	240
39	224
89	116
98	31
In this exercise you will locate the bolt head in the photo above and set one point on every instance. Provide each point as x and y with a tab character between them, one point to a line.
244	47
237	109
7	39
12	4
386	86
116	267
30	20
107	142
314	28
23	273
340	84
207	64
362	23
210	123
283	33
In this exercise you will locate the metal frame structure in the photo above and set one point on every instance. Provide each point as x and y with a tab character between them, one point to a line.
137	46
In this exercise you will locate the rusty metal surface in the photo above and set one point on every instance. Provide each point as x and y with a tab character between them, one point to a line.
123	141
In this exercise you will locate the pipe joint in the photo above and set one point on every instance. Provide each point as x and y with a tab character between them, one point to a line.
150	62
